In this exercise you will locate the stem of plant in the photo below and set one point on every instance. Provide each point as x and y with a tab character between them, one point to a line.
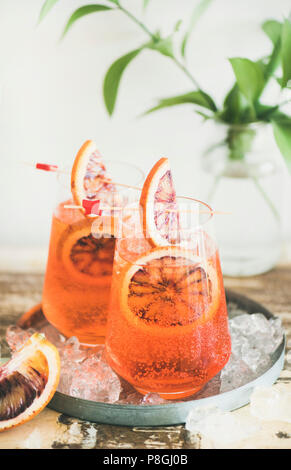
186	71
155	39
267	199
138	22
213	188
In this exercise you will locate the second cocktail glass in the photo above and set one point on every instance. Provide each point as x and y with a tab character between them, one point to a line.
167	325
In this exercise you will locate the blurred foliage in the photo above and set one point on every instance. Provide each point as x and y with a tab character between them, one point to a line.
243	104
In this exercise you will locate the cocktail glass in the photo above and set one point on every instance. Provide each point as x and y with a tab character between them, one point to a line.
79	266
167	326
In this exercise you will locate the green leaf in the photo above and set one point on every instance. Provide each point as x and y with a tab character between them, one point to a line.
47	6
145	3
178	25
113	77
286	52
282	133
194	97
250	78
197	13
164	46
273	30
274	61
233	106
83	11
203	115
265	112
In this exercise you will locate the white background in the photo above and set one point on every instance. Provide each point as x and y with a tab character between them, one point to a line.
51	99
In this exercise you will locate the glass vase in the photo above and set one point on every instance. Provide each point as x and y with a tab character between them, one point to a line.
245	181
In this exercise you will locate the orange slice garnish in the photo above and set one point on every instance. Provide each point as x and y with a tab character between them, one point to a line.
160	217
89	177
169	290
28	381
87	252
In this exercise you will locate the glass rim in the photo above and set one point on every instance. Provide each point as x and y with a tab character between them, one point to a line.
202	203
190	228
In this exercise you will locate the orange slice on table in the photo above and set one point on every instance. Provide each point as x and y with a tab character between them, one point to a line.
28	381
160	217
89	177
169	290
87	250
32	317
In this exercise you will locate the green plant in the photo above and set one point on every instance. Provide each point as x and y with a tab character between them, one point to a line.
243	104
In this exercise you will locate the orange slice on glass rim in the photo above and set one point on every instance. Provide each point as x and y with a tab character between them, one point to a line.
89	177
87	251
160	217
169	290
28	381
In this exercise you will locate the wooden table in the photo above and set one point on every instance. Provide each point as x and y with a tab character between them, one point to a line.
20	291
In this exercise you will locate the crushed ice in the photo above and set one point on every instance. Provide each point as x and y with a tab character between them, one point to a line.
222	428
254	340
271	404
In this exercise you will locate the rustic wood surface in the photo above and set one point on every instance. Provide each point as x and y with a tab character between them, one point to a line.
20	291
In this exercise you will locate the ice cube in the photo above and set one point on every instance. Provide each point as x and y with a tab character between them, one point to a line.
271	404
134	398
222	428
241	323
53	335
65	380
95	380
153	399
277	332
16	336
254	339
73	356
71	352
235	374
238	341
257	359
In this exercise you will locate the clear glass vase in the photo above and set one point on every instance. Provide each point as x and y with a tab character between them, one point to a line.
245	181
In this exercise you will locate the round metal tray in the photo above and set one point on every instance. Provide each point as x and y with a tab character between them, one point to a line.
172	413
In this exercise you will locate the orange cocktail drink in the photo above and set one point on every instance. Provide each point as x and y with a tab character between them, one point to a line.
78	276
79	267
167	326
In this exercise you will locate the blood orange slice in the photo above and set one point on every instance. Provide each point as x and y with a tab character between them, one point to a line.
28	381
160	215
89	177
87	252
169	289
32	317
